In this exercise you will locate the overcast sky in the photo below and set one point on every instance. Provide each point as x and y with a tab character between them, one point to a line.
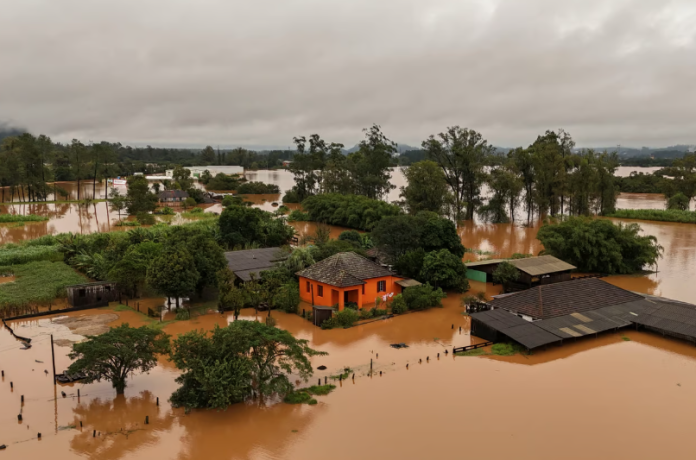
258	72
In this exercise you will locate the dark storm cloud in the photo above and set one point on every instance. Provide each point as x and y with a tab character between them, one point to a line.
260	72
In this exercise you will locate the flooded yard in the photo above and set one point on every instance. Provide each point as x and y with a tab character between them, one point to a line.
526	407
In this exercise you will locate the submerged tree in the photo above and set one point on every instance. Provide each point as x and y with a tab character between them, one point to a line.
174	273
426	190
119	352
463	155
505	274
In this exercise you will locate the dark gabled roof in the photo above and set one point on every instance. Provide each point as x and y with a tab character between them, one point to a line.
344	269
244	263
670	316
172	194
519	330
559	299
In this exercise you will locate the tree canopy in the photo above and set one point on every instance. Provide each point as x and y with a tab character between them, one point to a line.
119	352
600	246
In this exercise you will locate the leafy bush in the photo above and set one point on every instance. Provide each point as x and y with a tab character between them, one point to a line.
679	202
291	196
304	395
197	211
287	297
352	211
344	318
7	218
398	305
351	305
128	223
379	312
444	269
283	209
366	313
298	216
236	200
167	211
598	245
505	273
223	182
145	218
255	188
423	297
350	235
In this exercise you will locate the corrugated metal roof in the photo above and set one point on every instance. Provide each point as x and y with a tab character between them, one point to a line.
243	263
478	263
543	265
408	283
519	330
670	316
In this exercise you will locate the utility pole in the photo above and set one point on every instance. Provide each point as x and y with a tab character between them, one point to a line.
53	358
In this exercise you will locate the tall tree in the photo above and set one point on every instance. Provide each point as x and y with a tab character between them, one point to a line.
463	155
427	188
370	165
174	273
139	199
208	155
121	351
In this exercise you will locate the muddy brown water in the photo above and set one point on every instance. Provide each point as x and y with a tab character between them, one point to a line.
526	407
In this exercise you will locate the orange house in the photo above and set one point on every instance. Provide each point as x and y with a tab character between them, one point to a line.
346	277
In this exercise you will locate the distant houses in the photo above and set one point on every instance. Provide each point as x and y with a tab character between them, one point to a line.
172	197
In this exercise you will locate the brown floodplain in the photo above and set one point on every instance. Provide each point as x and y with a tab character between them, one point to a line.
528	407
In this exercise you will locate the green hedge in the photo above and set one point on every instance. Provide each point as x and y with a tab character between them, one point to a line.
660	215
7	218
352	211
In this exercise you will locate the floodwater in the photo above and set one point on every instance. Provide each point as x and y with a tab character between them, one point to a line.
589	395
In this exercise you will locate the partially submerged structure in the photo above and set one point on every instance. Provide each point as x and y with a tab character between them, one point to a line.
533	271
253	261
553	313
90	295
346	277
172	197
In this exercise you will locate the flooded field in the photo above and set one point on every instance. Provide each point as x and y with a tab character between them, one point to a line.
492	407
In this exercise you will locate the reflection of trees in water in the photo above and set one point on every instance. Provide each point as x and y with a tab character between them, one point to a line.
117	419
242	429
503	239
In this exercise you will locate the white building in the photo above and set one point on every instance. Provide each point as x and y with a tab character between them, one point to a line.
196	171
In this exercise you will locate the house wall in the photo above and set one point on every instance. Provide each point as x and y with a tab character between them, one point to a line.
333	295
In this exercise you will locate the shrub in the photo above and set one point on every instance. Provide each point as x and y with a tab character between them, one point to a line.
128	223
423	297
366	313
298	216
255	188
679	202
291	196
145	218
287	298
398	305
598	245
344	318
379	312
351	235
197	211
167	211
351	305
352	211
505	274
444	269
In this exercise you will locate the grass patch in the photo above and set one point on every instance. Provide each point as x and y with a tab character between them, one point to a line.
128	223
304	395
37	282
660	215
120	307
198	213
15	254
474	352
346	373
506	349
625	339
8	218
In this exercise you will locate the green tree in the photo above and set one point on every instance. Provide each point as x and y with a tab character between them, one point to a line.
119	352
679	202
505	274
463	155
427	188
600	246
241	226
139	199
117	202
444	269
422	297
173	273
208	155
182	177
370	165
231	298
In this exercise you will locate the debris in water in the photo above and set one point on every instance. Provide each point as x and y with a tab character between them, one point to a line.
398	345
321	368
3	447
37	361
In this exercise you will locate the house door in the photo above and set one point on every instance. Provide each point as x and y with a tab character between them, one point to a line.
346	297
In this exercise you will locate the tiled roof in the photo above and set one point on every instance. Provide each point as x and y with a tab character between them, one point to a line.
344	269
559	299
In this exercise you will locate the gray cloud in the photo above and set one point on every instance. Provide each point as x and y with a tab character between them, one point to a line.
260	72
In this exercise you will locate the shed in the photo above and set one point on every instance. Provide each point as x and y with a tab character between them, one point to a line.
92	294
321	314
244	263
408	283
533	271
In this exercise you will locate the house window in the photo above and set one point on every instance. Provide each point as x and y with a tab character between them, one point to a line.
308	286
381	286
320	291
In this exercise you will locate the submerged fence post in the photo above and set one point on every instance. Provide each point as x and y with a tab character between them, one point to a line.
53	358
